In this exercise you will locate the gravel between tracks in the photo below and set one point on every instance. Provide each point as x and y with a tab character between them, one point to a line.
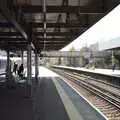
106	108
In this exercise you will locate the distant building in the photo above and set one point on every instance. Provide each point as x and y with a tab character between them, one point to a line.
94	47
111	44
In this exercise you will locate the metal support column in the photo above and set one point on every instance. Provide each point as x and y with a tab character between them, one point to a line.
59	61
36	66
113	59
29	73
22	59
44	22
8	71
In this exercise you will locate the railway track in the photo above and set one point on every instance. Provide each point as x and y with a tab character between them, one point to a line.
106	88
93	79
110	102
104	94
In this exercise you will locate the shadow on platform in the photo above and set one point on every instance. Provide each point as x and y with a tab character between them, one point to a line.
44	105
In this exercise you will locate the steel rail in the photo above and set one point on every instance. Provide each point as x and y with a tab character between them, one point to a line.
99	92
89	73
91	88
88	82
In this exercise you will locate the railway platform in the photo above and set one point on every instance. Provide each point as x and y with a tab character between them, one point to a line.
52	99
103	71
109	72
105	75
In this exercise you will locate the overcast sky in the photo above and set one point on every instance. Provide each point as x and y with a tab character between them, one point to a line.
106	29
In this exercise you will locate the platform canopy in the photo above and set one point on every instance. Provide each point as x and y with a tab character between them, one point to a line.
48	24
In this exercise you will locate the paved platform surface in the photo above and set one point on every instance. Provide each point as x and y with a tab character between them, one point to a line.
103	71
80	108
99	71
52	99
44	105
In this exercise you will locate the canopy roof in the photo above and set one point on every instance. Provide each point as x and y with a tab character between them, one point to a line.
48	24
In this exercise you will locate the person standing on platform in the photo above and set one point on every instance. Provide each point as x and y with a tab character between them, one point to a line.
15	67
20	70
113	67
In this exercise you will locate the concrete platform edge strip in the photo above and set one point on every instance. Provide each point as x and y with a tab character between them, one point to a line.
69	106
94	107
